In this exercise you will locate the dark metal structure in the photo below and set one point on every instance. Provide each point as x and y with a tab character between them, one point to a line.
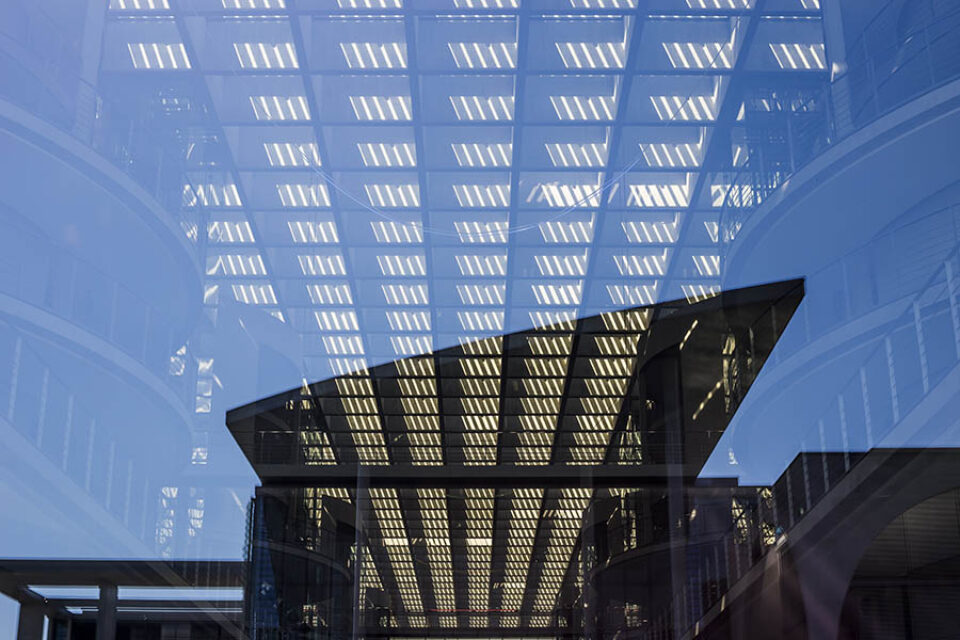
444	494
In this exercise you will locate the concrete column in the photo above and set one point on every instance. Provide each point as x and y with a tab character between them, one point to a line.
30	621
107	613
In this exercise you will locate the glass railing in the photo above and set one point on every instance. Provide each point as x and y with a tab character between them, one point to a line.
879	77
35	272
39	67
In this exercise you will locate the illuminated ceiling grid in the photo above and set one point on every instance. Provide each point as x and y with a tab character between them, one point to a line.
395	177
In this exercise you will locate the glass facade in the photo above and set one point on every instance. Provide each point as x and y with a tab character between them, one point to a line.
453	318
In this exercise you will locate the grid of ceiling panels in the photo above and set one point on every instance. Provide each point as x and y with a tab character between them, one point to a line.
463	558
394	176
548	396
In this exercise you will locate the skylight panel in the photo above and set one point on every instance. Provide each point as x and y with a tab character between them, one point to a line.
592	55
571	154
481	294
703	107
409	320
236	265
393	196
708	266
290	154
565	195
475	154
330	294
230	231
381	108
254	4
336	320
482	195
484	55
266	55
550	345
567	231
303	195
651	231
700	55
699	292
158	55
407	265
632	320
322	265
719	4
654	264
603	4
405	294
633	294
486	4
304	232
482	265
419	367
256	294
480	367
584	107
672	155
139	5
558	294
482	232
280	107
211	195
483	107
370	4
343	345
481	320
658	195
375	55
562	265
411	345
393	232
796	56
476	346
383	154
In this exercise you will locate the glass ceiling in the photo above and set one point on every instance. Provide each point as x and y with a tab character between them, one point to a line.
390	177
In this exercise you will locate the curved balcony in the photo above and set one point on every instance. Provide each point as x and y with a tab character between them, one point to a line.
100	287
844	151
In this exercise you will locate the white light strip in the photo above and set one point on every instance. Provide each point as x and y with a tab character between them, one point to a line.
374	55
290	154
483	107
158	55
584	107
384	154
280	107
266	55
592	55
482	195
799	57
475	154
484	55
393	196
700	55
303	195
381	108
